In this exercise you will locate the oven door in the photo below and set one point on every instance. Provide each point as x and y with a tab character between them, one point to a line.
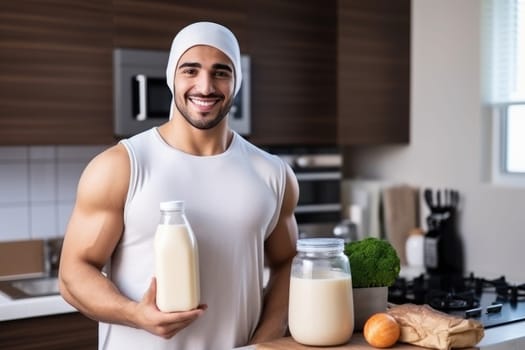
319	207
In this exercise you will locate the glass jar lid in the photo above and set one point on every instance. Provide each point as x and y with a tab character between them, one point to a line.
311	245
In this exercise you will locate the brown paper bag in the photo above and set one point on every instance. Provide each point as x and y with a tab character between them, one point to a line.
423	326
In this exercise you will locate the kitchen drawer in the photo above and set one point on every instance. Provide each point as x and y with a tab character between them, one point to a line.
56	332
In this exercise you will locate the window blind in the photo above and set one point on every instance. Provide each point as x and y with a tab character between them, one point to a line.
504	37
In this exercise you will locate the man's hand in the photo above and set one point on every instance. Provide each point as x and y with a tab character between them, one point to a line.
163	324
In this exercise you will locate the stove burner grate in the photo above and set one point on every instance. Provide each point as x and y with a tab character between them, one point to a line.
452	301
492	302
503	290
511	293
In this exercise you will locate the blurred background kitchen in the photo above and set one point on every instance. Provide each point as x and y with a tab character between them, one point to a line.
397	89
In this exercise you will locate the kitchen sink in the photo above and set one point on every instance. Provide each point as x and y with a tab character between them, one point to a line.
40	286
28	288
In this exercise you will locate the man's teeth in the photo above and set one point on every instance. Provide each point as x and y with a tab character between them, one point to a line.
204	103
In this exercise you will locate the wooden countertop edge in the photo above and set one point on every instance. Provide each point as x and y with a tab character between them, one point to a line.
357	342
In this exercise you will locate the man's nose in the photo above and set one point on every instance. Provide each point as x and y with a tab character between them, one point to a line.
205	84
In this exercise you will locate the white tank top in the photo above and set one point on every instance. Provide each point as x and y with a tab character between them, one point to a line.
232	202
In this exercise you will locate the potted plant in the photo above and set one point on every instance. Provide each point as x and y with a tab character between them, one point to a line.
375	265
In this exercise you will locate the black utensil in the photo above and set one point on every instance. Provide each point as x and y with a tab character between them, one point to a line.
455	199
448	199
427	194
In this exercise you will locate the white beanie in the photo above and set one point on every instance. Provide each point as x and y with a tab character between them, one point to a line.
205	33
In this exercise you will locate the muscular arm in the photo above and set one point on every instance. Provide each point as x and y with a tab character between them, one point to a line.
280	250
93	232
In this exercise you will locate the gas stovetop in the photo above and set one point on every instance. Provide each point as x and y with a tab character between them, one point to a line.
491	302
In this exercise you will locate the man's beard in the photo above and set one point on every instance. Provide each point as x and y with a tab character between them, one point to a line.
204	123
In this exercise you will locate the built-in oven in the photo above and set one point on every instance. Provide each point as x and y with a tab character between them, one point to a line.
319	176
142	98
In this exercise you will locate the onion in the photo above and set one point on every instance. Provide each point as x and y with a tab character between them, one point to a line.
381	330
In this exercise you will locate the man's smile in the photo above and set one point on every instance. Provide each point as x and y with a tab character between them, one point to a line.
204	103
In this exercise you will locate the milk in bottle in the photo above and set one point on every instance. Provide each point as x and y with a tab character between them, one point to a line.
176	260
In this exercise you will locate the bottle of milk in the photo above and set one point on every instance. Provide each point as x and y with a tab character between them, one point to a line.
321	306
176	260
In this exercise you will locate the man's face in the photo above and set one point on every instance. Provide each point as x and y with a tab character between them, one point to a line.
203	86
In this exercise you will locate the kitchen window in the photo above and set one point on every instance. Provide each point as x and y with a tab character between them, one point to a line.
504	95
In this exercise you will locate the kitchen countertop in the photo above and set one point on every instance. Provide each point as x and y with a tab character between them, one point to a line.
506	337
13	309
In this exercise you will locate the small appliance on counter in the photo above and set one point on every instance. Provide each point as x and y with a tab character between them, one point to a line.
346	230
443	249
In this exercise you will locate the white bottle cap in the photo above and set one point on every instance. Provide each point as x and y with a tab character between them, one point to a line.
172	206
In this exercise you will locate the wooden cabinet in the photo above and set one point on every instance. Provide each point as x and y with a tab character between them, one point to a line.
293	47
56	332
152	24
55	72
323	73
373	72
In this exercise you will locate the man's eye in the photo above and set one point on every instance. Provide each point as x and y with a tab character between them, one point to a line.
189	71
222	74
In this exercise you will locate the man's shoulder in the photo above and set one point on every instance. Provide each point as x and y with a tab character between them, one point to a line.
113	158
139	138
263	161
258	152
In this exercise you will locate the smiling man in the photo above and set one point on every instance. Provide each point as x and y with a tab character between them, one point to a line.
205	88
239	200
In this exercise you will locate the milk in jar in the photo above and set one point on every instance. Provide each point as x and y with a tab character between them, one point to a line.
176	260
321	308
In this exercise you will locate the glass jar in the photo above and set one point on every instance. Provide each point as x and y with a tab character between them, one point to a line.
321	308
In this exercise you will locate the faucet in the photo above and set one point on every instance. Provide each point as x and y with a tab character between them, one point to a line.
52	251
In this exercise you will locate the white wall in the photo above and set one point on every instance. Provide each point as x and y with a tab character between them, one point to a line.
447	147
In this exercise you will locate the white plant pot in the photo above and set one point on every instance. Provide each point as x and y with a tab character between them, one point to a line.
368	301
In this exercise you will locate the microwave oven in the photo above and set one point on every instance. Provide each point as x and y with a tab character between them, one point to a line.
142	100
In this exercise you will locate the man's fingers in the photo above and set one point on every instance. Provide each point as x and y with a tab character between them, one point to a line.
150	297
